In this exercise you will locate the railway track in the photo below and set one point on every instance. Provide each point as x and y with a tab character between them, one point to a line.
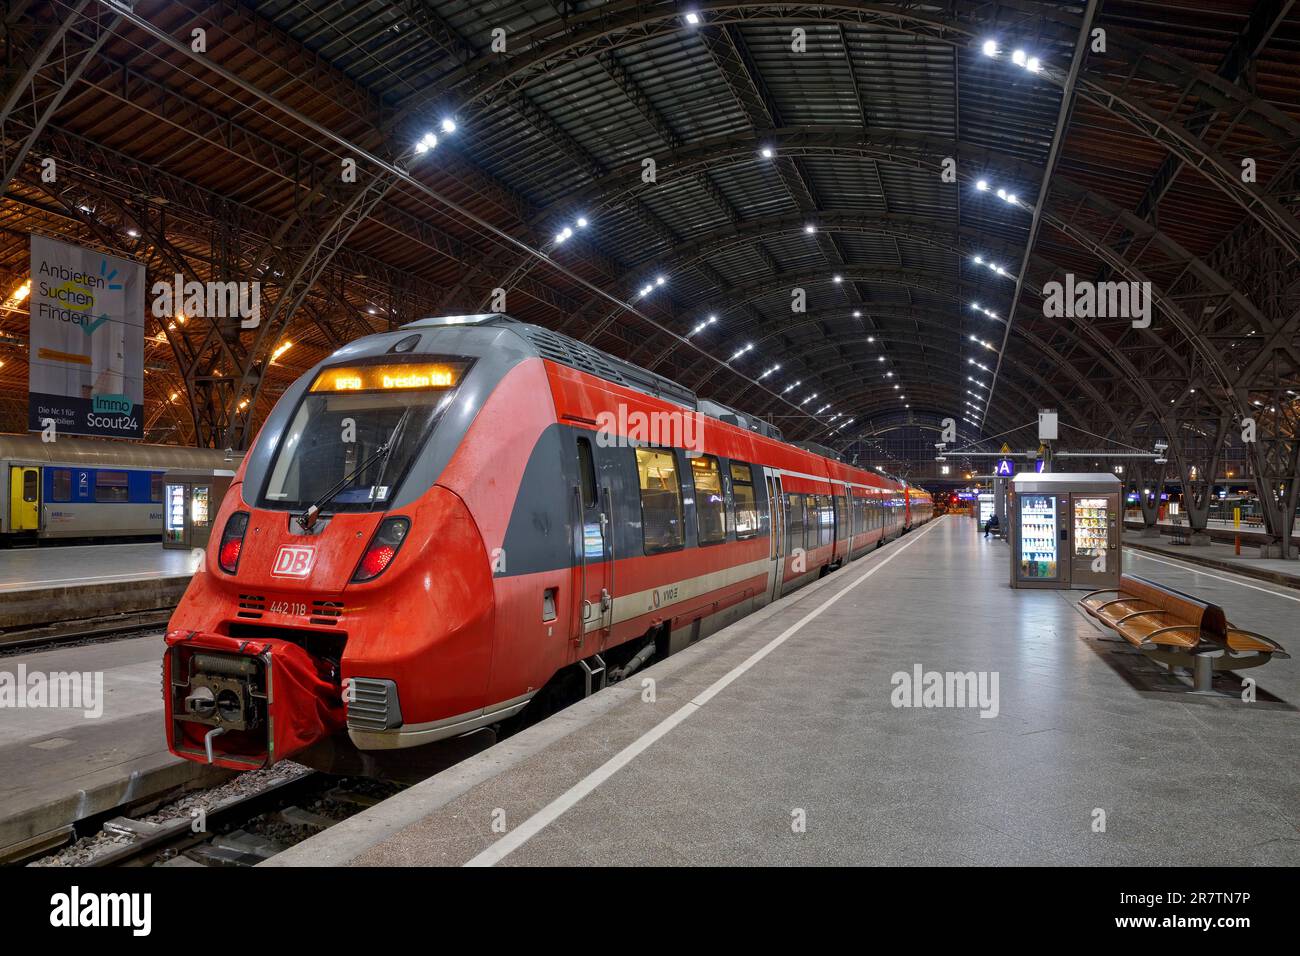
243	829
83	629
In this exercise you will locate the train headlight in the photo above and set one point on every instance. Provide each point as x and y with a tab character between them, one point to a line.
232	541
383	548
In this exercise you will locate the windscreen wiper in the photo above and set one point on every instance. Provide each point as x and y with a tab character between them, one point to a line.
307	519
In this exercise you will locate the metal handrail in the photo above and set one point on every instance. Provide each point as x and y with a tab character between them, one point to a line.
1146	641
1154	610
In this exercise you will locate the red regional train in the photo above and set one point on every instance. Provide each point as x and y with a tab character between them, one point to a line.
437	523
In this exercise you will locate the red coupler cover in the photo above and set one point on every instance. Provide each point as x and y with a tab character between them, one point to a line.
304	704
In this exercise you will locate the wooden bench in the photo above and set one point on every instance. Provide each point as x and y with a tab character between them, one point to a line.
1179	630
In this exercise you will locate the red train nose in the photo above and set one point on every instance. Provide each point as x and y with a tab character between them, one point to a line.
245	704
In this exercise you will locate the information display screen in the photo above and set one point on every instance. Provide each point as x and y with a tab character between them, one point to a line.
396	377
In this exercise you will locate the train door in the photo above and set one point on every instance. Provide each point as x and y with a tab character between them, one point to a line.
595	601
24	498
843	542
776	527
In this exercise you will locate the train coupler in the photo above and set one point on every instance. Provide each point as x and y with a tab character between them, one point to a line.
244	704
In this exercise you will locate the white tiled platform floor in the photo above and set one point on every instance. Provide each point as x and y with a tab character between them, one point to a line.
62	566
1085	724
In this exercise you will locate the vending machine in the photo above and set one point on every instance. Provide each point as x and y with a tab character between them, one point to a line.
174	515
1065	530
190	502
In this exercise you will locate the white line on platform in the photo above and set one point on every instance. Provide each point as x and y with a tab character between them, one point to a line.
557	807
1196	569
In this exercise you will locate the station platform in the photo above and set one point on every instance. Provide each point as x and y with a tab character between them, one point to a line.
95	584
1219	555
1251	535
777	741
35	569
59	765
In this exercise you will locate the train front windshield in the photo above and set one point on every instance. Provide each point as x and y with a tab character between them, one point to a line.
341	426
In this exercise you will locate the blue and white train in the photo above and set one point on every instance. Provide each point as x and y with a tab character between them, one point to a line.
87	487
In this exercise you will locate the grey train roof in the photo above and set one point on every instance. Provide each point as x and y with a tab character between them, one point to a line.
570	352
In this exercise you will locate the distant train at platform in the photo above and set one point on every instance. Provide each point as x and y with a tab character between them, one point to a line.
88	488
440	524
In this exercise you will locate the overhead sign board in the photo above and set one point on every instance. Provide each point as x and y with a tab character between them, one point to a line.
1005	468
86	341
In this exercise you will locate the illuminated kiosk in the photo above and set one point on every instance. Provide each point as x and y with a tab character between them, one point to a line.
1065	530
190	502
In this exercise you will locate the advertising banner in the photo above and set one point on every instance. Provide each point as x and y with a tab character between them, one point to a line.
86	341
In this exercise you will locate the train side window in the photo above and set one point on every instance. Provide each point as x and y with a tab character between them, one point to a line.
29	485
828	519
710	503
794	526
111	486
841	518
155	486
742	493
661	499
61	489
587	472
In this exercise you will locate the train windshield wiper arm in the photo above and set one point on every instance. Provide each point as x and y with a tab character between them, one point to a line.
307	519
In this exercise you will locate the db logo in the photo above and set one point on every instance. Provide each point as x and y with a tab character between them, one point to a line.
294	561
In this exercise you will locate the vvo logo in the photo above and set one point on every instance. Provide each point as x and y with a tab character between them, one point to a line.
294	561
